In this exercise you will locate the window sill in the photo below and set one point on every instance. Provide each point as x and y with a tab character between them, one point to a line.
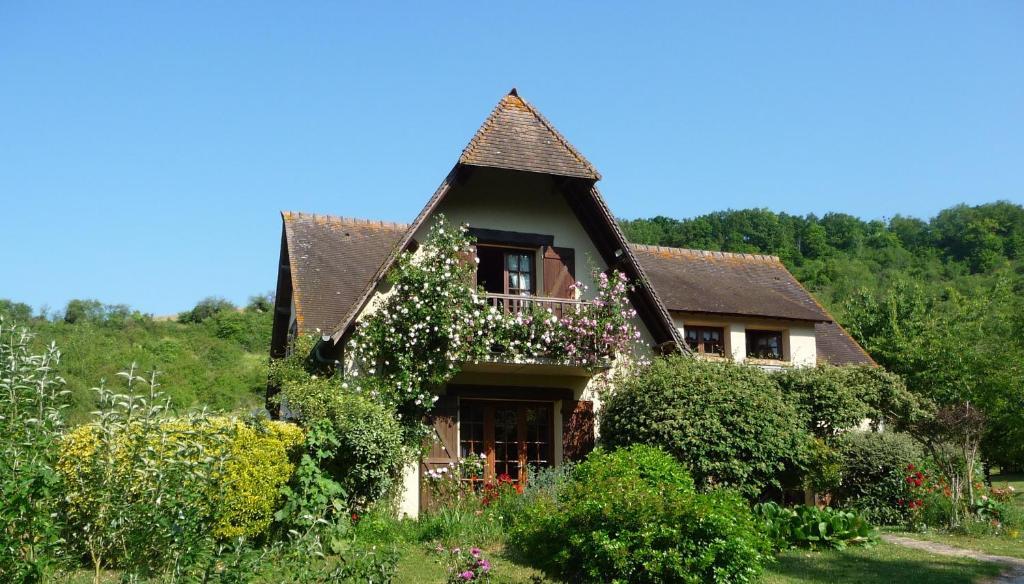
769	362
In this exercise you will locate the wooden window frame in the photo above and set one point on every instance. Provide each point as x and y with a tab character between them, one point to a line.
513	249
489	406
700	343
755	332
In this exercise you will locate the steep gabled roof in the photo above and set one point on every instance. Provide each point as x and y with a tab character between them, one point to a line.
727	283
517	137
331	260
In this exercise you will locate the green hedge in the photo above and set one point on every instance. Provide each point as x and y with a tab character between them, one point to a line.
633	515
729	424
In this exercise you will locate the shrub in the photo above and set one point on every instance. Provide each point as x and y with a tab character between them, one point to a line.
874	473
812	527
32	398
633	515
369	454
833	399
728	423
244	491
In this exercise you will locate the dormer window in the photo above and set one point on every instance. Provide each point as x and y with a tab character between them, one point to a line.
706	340
507	270
764	345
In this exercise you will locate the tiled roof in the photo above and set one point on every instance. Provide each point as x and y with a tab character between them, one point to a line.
835	346
517	137
727	283
331	260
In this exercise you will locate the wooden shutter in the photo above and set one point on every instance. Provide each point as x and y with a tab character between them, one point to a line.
559	271
444	442
577	429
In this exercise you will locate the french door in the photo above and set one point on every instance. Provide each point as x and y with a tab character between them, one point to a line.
510	435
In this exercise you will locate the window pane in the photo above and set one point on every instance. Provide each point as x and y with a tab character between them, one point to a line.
524	281
513	262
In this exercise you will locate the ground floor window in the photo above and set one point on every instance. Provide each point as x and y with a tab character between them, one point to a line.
510	435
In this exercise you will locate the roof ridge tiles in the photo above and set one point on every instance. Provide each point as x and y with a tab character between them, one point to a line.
344	220
683	251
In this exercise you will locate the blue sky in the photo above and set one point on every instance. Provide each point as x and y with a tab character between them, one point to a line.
147	148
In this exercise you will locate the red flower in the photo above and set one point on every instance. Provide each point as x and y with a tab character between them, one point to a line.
910	467
355	518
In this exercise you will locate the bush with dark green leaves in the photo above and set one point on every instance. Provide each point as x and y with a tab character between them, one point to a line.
633	515
729	424
366	452
833	399
874	473
206	308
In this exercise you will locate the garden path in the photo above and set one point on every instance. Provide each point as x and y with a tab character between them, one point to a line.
1014	573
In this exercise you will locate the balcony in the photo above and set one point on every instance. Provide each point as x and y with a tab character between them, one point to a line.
516	304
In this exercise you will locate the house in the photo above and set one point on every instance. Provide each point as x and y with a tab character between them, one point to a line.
540	224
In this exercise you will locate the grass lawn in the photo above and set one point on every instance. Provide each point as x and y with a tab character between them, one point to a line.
419	564
881	564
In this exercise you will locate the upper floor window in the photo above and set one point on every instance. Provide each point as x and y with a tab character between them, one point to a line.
764	344
519	268
504	270
706	340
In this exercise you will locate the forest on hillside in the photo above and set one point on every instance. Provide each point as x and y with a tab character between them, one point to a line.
939	301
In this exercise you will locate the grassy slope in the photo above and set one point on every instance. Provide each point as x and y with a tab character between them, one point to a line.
200	365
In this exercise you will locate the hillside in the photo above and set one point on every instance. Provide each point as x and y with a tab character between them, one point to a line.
219	362
941	302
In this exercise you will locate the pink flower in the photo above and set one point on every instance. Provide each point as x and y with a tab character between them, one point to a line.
475	551
467	575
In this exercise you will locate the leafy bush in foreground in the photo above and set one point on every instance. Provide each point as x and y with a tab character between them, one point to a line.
808	526
633	515
729	424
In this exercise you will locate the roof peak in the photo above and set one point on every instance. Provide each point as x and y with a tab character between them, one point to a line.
516	136
704	253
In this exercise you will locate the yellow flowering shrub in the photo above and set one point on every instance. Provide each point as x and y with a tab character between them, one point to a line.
256	463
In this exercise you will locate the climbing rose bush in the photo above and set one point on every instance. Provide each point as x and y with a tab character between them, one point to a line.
433	318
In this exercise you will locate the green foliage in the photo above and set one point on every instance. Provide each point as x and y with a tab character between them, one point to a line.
813	527
874	470
208	371
833	399
31	402
364	452
130	475
150	492
206	308
729	424
938	302
369	458
312	492
633	515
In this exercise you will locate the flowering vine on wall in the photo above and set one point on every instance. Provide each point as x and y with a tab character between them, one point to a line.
435	318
